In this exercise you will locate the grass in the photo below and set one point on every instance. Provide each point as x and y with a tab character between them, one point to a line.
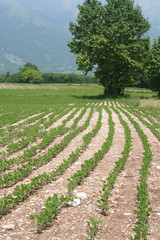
150	103
47	95
136	89
141	97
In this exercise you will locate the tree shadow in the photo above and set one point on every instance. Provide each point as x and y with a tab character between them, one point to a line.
100	97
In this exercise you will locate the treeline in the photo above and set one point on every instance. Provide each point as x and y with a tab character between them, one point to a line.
62	78
52	78
30	74
68	78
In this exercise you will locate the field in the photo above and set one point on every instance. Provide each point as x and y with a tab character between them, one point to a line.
75	165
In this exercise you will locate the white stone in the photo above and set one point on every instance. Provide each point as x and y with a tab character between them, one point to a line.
158	167
74	203
9	226
111	211
81	195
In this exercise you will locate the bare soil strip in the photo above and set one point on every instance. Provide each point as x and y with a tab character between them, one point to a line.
59	122
69	124
17	86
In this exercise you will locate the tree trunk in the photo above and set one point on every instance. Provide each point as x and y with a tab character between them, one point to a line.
106	85
110	89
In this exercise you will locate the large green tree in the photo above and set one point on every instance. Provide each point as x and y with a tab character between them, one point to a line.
29	74
154	67
110	39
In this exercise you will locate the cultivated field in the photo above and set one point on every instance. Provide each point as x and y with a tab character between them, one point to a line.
81	168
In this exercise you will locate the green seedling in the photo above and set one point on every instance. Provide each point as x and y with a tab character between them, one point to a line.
94	226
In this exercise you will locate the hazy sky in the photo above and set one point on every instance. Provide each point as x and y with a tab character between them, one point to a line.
145	4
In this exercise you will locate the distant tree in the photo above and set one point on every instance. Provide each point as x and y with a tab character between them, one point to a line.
110	39
30	66
7	77
2	78
29	74
154	67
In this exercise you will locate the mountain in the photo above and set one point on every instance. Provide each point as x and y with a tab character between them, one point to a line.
34	34
37	31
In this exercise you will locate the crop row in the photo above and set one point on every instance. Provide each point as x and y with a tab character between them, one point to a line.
47	137
151	118
27	129
152	127
17	115
142	193
108	184
24	190
55	203
51	210
29	133
9	179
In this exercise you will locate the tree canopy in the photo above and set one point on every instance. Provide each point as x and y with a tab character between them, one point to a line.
29	74
154	67
110	40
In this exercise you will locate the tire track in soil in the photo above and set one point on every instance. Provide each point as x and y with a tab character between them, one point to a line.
153	183
72	146
23	226
71	222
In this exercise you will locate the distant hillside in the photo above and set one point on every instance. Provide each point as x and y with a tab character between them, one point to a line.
37	31
35	34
